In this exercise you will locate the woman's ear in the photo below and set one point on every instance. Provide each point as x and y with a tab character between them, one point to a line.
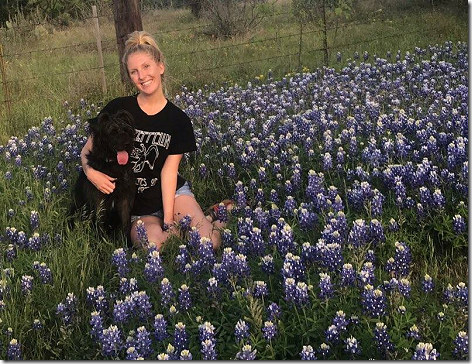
161	67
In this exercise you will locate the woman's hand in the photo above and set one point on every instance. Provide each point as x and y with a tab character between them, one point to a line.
101	181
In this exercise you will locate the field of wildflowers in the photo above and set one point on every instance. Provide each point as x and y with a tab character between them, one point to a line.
349	239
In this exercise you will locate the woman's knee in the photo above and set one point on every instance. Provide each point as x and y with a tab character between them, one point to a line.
153	230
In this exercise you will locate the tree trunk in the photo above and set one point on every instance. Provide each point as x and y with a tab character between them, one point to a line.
325	33
127	14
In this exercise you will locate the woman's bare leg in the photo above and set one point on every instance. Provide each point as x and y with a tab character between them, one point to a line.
154	231
187	205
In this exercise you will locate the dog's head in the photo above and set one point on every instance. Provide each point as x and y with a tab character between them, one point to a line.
114	135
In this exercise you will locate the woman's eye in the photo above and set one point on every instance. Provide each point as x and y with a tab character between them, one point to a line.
146	66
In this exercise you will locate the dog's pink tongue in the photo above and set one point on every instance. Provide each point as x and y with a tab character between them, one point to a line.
122	157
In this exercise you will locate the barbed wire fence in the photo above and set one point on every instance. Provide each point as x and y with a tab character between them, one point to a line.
101	45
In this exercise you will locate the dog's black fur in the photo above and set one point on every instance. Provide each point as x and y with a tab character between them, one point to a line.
110	134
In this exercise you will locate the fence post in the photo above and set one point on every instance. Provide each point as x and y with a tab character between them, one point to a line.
99	48
6	92
300	48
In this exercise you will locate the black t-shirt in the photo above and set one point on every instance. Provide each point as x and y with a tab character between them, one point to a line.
170	131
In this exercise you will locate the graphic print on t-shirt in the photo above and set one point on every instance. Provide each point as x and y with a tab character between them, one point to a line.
147	153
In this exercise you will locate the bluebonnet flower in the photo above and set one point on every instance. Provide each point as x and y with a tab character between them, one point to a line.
285	241
208	350
132	353
458	224
369	256
413	332
241	330
293	267
324	350
128	285
181	339
34	220
221	212
185	355
183	258
26	285
401	309
358	234
37	324
260	289
11	252
269	330
185	302
34	242
461	345
160	327
332	334
112	341
66	310
120	261
376	233
402	258
241	265
267	264
425	351
184	223
290	206
404	287
141	233
367	274
206	331
289	290
307	353
45	274
143	342
96	322
438	199
273	312
340	321
393	225
141	304
382	339
373	301
212	287
441	316
205	251
462	294
153	269
449	294
166	292
377	203
246	353
257	242
352	346
121	311
14	350
194	238
348	275
326	287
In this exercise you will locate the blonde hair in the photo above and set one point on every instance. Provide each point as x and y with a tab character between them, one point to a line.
142	41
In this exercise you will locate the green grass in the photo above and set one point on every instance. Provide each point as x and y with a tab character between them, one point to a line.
38	92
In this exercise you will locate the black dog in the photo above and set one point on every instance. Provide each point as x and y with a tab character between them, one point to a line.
113	138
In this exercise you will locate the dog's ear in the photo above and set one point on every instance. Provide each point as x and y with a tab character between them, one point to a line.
126	117
97	123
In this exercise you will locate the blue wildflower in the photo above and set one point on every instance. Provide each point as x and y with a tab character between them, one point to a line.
425	351
269	330
246	353
307	353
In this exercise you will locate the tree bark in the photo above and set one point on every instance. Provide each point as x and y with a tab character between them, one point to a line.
127	15
325	33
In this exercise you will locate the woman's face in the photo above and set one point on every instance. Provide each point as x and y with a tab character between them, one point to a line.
145	72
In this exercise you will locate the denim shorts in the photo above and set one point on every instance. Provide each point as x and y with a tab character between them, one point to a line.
182	191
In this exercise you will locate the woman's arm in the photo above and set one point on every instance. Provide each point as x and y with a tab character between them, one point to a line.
169	184
101	181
